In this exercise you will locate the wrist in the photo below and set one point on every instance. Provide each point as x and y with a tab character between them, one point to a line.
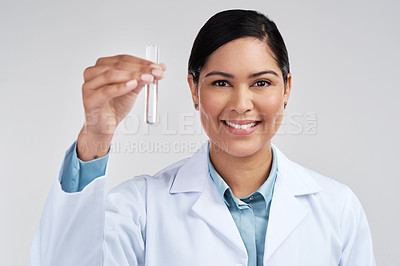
91	146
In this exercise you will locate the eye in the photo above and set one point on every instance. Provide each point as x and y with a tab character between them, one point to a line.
220	83
262	83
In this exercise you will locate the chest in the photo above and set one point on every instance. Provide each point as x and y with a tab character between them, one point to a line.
183	235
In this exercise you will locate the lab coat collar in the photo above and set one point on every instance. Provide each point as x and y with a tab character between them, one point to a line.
297	179
193	176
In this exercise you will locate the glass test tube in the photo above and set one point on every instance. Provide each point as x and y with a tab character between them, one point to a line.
151	95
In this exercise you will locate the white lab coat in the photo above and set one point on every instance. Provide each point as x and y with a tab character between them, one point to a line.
178	218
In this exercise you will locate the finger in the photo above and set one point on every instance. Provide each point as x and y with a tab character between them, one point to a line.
163	66
116	90
92	72
113	76
108	92
157	73
123	58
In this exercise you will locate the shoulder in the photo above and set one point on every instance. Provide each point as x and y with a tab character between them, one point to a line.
338	203
331	189
333	199
304	181
330	206
324	193
187	174
140	182
337	194
131	195
328	185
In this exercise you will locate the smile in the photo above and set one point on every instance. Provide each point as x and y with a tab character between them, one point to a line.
240	126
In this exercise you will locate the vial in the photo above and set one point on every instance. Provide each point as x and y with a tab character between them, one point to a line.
151	91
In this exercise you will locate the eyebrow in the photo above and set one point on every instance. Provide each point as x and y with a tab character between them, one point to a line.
250	76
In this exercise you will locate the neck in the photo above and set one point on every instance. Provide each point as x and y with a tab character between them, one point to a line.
244	175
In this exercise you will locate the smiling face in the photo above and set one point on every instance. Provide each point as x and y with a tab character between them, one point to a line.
240	96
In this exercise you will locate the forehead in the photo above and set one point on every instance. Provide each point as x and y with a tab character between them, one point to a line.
245	55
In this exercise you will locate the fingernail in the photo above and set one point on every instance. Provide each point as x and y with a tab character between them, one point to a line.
132	83
155	66
146	77
157	72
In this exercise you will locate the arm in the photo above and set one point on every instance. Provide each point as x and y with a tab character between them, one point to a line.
71	228
355	234
81	228
91	228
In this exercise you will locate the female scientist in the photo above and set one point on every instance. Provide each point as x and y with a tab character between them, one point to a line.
237	201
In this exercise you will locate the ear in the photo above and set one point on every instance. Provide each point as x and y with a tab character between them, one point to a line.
194	91
288	88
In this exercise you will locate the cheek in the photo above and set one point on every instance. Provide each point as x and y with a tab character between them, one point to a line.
270	107
210	105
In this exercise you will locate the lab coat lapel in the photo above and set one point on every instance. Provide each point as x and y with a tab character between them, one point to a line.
212	209
286	211
193	176
285	214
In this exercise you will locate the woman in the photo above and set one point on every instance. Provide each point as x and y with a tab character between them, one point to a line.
237	201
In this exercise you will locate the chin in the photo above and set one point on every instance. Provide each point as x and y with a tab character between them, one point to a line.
238	148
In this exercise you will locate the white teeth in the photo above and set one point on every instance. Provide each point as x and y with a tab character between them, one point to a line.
247	126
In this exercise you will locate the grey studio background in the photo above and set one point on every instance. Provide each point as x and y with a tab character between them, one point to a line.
342	118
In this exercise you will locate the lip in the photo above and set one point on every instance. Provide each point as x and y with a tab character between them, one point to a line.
241	131
242	122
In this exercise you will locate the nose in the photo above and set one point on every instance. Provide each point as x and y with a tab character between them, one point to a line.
241	99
